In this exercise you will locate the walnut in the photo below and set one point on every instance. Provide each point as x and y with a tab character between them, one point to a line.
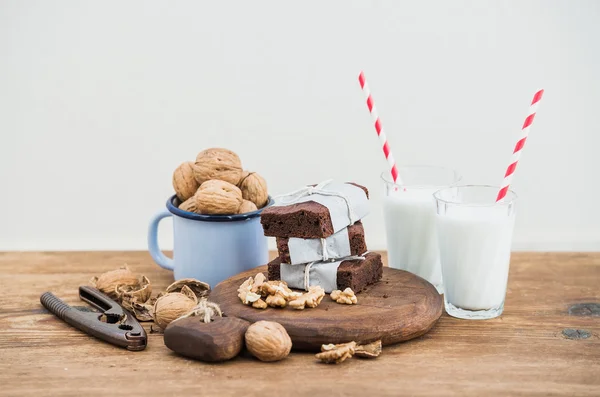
173	305
277	287
276	300
260	304
261	293
370	350
184	182
189	205
345	297
249	291
247	206
254	188
310	299
217	163
109	282
245	289
124	286
278	293
258	281
335	354
252	297
218	197
268	341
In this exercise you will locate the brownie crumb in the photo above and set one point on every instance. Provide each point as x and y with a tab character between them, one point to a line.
385	296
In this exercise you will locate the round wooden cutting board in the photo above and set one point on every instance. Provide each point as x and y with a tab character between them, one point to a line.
400	307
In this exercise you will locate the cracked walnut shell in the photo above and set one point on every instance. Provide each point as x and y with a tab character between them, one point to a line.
128	294
184	182
218	197
111	281
199	288
268	341
218	163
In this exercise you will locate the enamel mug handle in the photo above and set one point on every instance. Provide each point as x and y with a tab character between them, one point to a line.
161	259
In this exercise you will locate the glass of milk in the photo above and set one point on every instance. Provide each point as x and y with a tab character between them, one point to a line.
475	236
409	214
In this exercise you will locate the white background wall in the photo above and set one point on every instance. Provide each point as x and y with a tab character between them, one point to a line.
100	101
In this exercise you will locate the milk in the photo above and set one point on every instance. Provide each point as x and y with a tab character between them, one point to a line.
475	255
411	233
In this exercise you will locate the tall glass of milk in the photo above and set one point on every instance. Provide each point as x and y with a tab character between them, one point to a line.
475	236
409	214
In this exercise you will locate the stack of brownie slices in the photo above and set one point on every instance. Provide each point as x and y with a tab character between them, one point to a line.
311	220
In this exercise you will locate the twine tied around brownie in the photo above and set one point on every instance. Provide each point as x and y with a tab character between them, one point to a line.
205	309
324	252
325	257
293	197
310	265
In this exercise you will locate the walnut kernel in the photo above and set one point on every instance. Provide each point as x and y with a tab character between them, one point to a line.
344	297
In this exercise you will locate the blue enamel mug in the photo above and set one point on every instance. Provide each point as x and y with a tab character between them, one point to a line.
210	248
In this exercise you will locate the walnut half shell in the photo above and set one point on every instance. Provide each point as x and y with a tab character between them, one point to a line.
199	288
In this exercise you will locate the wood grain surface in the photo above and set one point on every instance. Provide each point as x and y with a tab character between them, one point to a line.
546	342
401	306
218	340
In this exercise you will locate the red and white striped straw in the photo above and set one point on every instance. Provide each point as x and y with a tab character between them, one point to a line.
510	171
379	128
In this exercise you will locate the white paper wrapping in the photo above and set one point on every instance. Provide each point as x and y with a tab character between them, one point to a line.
319	249
323	274
347	203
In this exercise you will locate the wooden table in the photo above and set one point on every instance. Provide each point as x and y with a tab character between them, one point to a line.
545	343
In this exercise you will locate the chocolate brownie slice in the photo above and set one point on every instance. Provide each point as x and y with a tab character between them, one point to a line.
356	274
356	236
308	219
